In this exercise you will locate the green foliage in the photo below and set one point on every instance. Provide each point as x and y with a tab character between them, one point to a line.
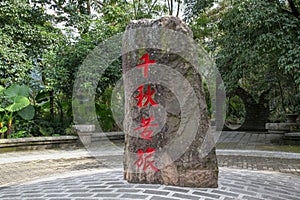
19	103
258	37
256	45
19	134
293	104
25	32
33	52
91	31
46	131
207	99
71	131
17	90
14	63
103	111
116	15
236	111
259	50
14	102
3	129
105	117
27	113
194	8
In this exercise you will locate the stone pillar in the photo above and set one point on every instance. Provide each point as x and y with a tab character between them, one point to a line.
165	130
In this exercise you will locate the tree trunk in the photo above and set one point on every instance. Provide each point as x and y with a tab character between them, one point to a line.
9	128
51	105
88	6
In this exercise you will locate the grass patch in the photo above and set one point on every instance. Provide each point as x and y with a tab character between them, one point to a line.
7	149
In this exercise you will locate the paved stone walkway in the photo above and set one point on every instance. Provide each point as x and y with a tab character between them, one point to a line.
256	141
233	184
18	172
77	174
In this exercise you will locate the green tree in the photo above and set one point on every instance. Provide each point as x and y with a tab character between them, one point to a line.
106	19
194	8
25	33
256	45
36	53
259	47
28	40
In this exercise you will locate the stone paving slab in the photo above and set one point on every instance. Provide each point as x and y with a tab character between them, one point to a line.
16	167
257	153
256	141
233	185
18	172
260	163
28	169
24	156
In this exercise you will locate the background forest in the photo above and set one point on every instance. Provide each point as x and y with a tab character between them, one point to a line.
256	45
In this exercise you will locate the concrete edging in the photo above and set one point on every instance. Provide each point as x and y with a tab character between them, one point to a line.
257	153
31	143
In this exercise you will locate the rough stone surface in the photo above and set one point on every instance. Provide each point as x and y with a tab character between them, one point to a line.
190	169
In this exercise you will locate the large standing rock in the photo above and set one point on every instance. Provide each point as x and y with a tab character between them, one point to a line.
188	168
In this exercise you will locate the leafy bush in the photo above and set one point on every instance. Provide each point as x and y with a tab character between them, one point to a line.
14	103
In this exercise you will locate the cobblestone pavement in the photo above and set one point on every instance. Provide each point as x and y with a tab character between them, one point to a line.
259	163
26	166
256	141
79	174
233	184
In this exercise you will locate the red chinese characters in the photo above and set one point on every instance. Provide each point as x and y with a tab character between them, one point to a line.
144	160
146	64
145	99
147	96
146	134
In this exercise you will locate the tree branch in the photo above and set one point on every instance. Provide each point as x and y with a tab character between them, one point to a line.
168	6
88	7
150	10
178	8
101	4
138	6
171	7
134	8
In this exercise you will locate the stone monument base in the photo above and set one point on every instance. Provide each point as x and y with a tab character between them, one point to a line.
189	178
